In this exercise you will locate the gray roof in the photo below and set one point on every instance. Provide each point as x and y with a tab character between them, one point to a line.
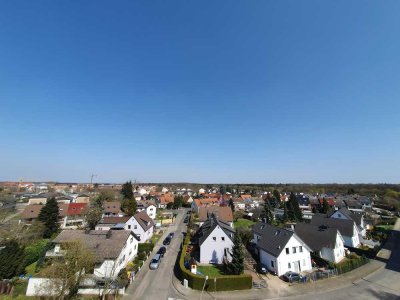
350	215
104	244
208	227
316	237
144	220
345	227
273	239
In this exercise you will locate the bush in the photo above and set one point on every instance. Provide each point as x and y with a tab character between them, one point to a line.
351	264
35	251
146	248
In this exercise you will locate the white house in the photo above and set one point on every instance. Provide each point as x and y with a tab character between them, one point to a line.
223	213
112	249
346	214
325	242
140	224
112	209
281	250
215	240
149	207
347	228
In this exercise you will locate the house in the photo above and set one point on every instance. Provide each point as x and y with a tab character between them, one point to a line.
149	207
354	205
112	249
140	224
281	250
223	213
203	203
347	228
38	199
325	242
346	214
30	213
239	204
112	208
165	199
215	241
82	198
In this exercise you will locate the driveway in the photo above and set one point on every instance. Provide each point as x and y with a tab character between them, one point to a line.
156	284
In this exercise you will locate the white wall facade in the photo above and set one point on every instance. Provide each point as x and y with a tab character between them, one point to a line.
133	225
296	261
334	254
215	246
151	210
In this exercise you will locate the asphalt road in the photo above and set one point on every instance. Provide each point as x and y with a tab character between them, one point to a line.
156	284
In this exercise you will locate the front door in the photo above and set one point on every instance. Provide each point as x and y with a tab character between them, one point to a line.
297	266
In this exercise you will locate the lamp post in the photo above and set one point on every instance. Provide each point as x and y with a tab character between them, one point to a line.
201	296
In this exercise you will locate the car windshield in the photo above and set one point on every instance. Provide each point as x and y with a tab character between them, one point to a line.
153	261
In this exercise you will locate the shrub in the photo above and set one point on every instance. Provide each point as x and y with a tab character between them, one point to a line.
351	264
146	248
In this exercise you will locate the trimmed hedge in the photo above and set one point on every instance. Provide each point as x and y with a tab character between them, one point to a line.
220	283
146	247
351	264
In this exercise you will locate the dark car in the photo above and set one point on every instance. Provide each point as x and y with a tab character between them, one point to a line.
189	212
262	269
167	241
171	235
291	276
186	220
162	251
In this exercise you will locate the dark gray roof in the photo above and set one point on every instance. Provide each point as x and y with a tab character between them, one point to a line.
144	220
345	227
316	237
208	226
350	215
104	244
273	239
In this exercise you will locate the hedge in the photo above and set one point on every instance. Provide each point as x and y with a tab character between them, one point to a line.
146	247
351	264
220	283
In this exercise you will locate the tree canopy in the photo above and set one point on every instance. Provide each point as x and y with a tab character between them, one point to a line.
236	266
127	190
49	217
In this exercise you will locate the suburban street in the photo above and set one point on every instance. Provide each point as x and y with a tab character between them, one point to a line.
156	284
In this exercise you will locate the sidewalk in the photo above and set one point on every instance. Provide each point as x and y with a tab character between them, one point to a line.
280	291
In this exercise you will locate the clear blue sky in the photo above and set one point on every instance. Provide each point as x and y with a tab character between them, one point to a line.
200	91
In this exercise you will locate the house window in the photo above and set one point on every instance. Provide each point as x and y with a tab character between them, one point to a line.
131	240
129	226
287	250
301	248
289	265
272	263
214	238
294	249
223	238
134	226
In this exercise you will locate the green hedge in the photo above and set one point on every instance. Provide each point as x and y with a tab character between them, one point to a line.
351	264
146	248
220	283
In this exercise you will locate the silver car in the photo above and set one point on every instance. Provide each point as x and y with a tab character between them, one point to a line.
155	262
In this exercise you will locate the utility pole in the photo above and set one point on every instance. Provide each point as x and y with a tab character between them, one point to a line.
91	178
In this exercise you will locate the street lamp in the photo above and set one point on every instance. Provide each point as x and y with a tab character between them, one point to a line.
201	296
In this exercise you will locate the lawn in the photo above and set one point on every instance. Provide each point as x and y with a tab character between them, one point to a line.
31	269
243	223
384	227
211	271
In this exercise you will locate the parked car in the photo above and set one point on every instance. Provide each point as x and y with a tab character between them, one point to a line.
186	220
291	276
262	269
189	212
171	235
162	251
167	241
155	262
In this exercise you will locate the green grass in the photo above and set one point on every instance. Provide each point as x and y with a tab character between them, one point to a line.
155	238
384	227
211	271
31	269
243	223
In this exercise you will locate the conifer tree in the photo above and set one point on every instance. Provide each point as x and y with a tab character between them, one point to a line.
231	205
127	190
49	217
129	206
267	213
11	258
236	266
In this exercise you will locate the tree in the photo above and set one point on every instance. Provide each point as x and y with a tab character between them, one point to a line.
285	216
222	190
67	274
178	201
11	258
127	190
129	206
232	205
325	206
49	217
276	197
236	266
93	216
267	213
294	211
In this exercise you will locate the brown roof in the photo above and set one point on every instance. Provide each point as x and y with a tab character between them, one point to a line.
144	220
114	220
112	207
166	198
31	211
224	213
245	196
201	202
103	243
